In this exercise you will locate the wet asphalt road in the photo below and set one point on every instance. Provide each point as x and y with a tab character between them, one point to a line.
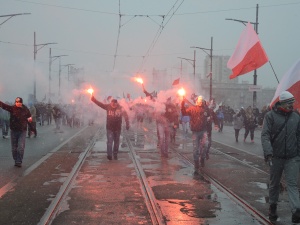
108	192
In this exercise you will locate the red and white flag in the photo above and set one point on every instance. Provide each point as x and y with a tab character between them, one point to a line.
176	82
290	82
248	54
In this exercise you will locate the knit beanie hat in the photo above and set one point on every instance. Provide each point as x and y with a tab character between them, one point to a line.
286	97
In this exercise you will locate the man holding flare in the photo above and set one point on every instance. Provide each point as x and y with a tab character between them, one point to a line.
199	115
114	114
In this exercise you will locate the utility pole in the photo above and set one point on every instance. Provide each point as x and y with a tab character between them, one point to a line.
255	73
35	50
193	63
68	65
52	59
210	54
49	87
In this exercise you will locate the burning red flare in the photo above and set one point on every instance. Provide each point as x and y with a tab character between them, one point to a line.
139	80
91	91
181	92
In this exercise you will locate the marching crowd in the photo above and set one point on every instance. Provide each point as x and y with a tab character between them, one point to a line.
280	134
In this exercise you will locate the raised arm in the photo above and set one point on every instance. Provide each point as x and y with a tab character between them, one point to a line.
100	104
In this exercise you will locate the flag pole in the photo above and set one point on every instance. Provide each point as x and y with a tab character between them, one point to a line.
274	72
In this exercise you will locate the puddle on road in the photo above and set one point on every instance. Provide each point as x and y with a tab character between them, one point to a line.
263	200
261	185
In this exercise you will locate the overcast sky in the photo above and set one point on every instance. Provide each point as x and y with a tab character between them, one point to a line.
88	32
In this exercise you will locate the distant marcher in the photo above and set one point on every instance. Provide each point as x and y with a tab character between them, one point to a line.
238	123
173	119
49	114
163	132
250	123
140	113
5	122
280	138
220	116
185	122
211	119
19	117
57	116
32	125
114	114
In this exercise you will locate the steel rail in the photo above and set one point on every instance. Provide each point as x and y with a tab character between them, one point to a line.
52	210
153	209
255	213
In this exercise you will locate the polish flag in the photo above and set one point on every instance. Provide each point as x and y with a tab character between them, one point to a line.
290	82
176	82
248	54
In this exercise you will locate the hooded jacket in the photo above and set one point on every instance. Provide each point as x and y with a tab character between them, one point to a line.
280	136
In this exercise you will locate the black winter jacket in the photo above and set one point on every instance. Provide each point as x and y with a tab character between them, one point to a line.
113	115
18	116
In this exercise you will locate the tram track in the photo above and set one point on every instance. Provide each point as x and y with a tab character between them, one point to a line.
153	205
251	210
258	215
52	210
248	208
154	211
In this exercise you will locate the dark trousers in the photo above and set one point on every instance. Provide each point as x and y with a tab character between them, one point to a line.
32	128
236	134
251	130
113	141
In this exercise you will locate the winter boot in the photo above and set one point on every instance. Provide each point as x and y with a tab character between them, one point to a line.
296	216
273	212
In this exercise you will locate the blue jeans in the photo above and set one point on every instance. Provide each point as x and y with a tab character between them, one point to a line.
18	145
113	141
185	128
164	138
200	143
290	168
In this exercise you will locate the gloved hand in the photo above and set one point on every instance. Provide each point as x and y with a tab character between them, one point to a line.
127	126
268	159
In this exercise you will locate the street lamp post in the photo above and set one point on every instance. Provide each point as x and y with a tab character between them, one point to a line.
68	65
59	71
12	15
193	62
36	48
210	54
51	60
256	30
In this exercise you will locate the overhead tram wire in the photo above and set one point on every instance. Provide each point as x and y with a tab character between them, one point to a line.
162	26
118	37
66	7
178	14
121	25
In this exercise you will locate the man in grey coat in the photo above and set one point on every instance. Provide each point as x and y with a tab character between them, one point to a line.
280	139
